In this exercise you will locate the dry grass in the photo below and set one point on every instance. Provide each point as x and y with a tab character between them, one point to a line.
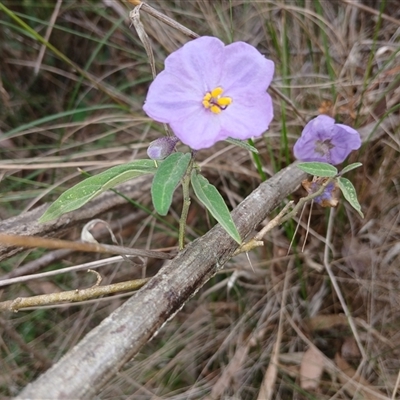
330	57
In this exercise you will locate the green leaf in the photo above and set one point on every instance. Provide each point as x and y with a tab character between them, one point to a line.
215	204
86	190
242	144
350	194
350	168
323	170
166	180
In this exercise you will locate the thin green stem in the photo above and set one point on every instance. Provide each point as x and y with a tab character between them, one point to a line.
186	203
258	162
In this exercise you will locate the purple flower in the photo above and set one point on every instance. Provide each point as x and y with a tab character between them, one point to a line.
325	141
209	92
330	195
162	147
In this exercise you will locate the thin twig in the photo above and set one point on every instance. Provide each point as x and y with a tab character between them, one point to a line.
274	222
372	11
71	296
34	241
91	264
165	19
308	226
134	16
336	286
256	241
50	257
282	217
396	387
47	35
268	383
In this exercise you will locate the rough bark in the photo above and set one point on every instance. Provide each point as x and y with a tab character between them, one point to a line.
83	371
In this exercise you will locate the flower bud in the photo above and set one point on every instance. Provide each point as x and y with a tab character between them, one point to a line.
162	147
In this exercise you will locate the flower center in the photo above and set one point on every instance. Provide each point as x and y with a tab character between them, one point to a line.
323	147
215	102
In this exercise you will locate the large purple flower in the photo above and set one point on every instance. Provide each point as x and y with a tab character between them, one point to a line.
325	141
209	92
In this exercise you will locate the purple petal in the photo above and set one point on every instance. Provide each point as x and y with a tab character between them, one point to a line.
345	142
169	99
198	63
199	130
322	123
248	116
245	68
304	149
353	137
189	73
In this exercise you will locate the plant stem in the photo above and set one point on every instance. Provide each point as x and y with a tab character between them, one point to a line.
186	203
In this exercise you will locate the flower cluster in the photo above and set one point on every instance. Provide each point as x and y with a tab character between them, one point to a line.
324	140
209	92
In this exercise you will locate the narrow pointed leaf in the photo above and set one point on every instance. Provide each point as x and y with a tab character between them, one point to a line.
215	204
350	168
166	180
242	144
350	194
80	194
318	169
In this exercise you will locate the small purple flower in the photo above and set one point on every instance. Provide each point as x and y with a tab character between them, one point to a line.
330	195
325	141
162	147
209	92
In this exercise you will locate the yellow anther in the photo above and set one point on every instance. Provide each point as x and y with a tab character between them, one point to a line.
224	101
215	109
214	102
216	92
